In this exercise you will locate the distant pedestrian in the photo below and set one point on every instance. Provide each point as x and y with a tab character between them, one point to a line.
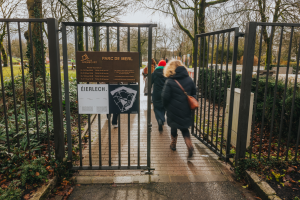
179	114
167	60
145	74
157	82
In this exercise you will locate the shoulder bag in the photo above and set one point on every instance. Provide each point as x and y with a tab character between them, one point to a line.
193	103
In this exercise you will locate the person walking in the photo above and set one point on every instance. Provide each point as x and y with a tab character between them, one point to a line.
145	74
157	82
179	114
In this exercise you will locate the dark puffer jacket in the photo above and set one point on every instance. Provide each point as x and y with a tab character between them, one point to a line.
179	114
158	80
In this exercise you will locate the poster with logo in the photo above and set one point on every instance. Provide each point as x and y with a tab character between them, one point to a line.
123	98
93	99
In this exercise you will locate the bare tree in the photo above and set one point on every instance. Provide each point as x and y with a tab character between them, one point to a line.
239	12
7	10
176	7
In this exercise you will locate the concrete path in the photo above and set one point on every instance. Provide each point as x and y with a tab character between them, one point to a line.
161	191
202	176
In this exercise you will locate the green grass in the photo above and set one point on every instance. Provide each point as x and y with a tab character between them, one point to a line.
17	69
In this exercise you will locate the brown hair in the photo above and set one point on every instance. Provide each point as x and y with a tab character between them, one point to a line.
171	66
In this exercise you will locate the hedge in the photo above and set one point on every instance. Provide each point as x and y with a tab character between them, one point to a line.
214	77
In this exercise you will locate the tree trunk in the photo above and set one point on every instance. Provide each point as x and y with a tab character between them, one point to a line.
3	54
80	28
35	11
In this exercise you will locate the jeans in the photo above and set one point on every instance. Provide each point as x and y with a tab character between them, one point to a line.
114	119
159	113
185	132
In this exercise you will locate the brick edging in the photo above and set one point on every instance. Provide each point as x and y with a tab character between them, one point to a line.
262	188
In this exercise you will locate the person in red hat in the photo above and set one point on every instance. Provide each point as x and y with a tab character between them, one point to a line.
158	82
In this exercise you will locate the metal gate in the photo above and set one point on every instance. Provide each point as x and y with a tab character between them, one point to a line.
98	28
211	80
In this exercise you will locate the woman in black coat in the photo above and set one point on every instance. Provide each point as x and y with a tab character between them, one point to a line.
179	114
158	82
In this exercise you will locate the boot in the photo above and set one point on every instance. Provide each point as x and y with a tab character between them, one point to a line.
173	143
189	145
160	124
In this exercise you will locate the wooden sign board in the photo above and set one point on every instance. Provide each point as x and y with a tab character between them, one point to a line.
108	67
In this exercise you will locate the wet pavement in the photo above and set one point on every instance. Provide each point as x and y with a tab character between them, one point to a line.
207	191
174	177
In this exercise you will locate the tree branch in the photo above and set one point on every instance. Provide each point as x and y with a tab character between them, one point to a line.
63	4
207	4
179	23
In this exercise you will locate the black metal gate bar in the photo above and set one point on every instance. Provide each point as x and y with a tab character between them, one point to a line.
4	107
293	102
24	91
195	74
220	86
275	92
13	84
214	101
205	86
66	83
78	115
284	96
45	87
232	88
210	82
128	49
225	93
139	121
34	86
255	94
119	116
149	99
202	89
100	167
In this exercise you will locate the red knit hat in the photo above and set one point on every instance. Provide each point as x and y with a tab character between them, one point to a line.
162	63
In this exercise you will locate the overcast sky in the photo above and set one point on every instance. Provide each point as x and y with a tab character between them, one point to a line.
144	17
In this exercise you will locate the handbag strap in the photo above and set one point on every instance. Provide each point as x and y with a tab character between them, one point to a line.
181	87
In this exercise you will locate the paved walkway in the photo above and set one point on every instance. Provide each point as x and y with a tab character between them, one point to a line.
170	166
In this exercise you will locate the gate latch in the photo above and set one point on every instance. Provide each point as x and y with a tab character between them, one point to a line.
240	34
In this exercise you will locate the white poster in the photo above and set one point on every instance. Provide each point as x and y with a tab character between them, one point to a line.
93	99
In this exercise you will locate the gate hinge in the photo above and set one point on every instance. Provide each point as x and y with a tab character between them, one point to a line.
240	34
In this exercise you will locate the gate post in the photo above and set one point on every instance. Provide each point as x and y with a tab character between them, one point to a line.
55	75
249	47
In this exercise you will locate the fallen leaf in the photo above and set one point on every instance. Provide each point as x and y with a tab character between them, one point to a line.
288	184
27	196
290	169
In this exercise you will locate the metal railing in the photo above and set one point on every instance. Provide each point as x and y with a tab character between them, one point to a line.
208	77
269	132
26	101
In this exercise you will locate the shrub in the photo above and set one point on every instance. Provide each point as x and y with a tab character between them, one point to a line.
214	76
33	172
12	192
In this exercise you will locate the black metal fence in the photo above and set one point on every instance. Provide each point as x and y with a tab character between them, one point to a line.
26	102
100	165
275	120
212	85
264	121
